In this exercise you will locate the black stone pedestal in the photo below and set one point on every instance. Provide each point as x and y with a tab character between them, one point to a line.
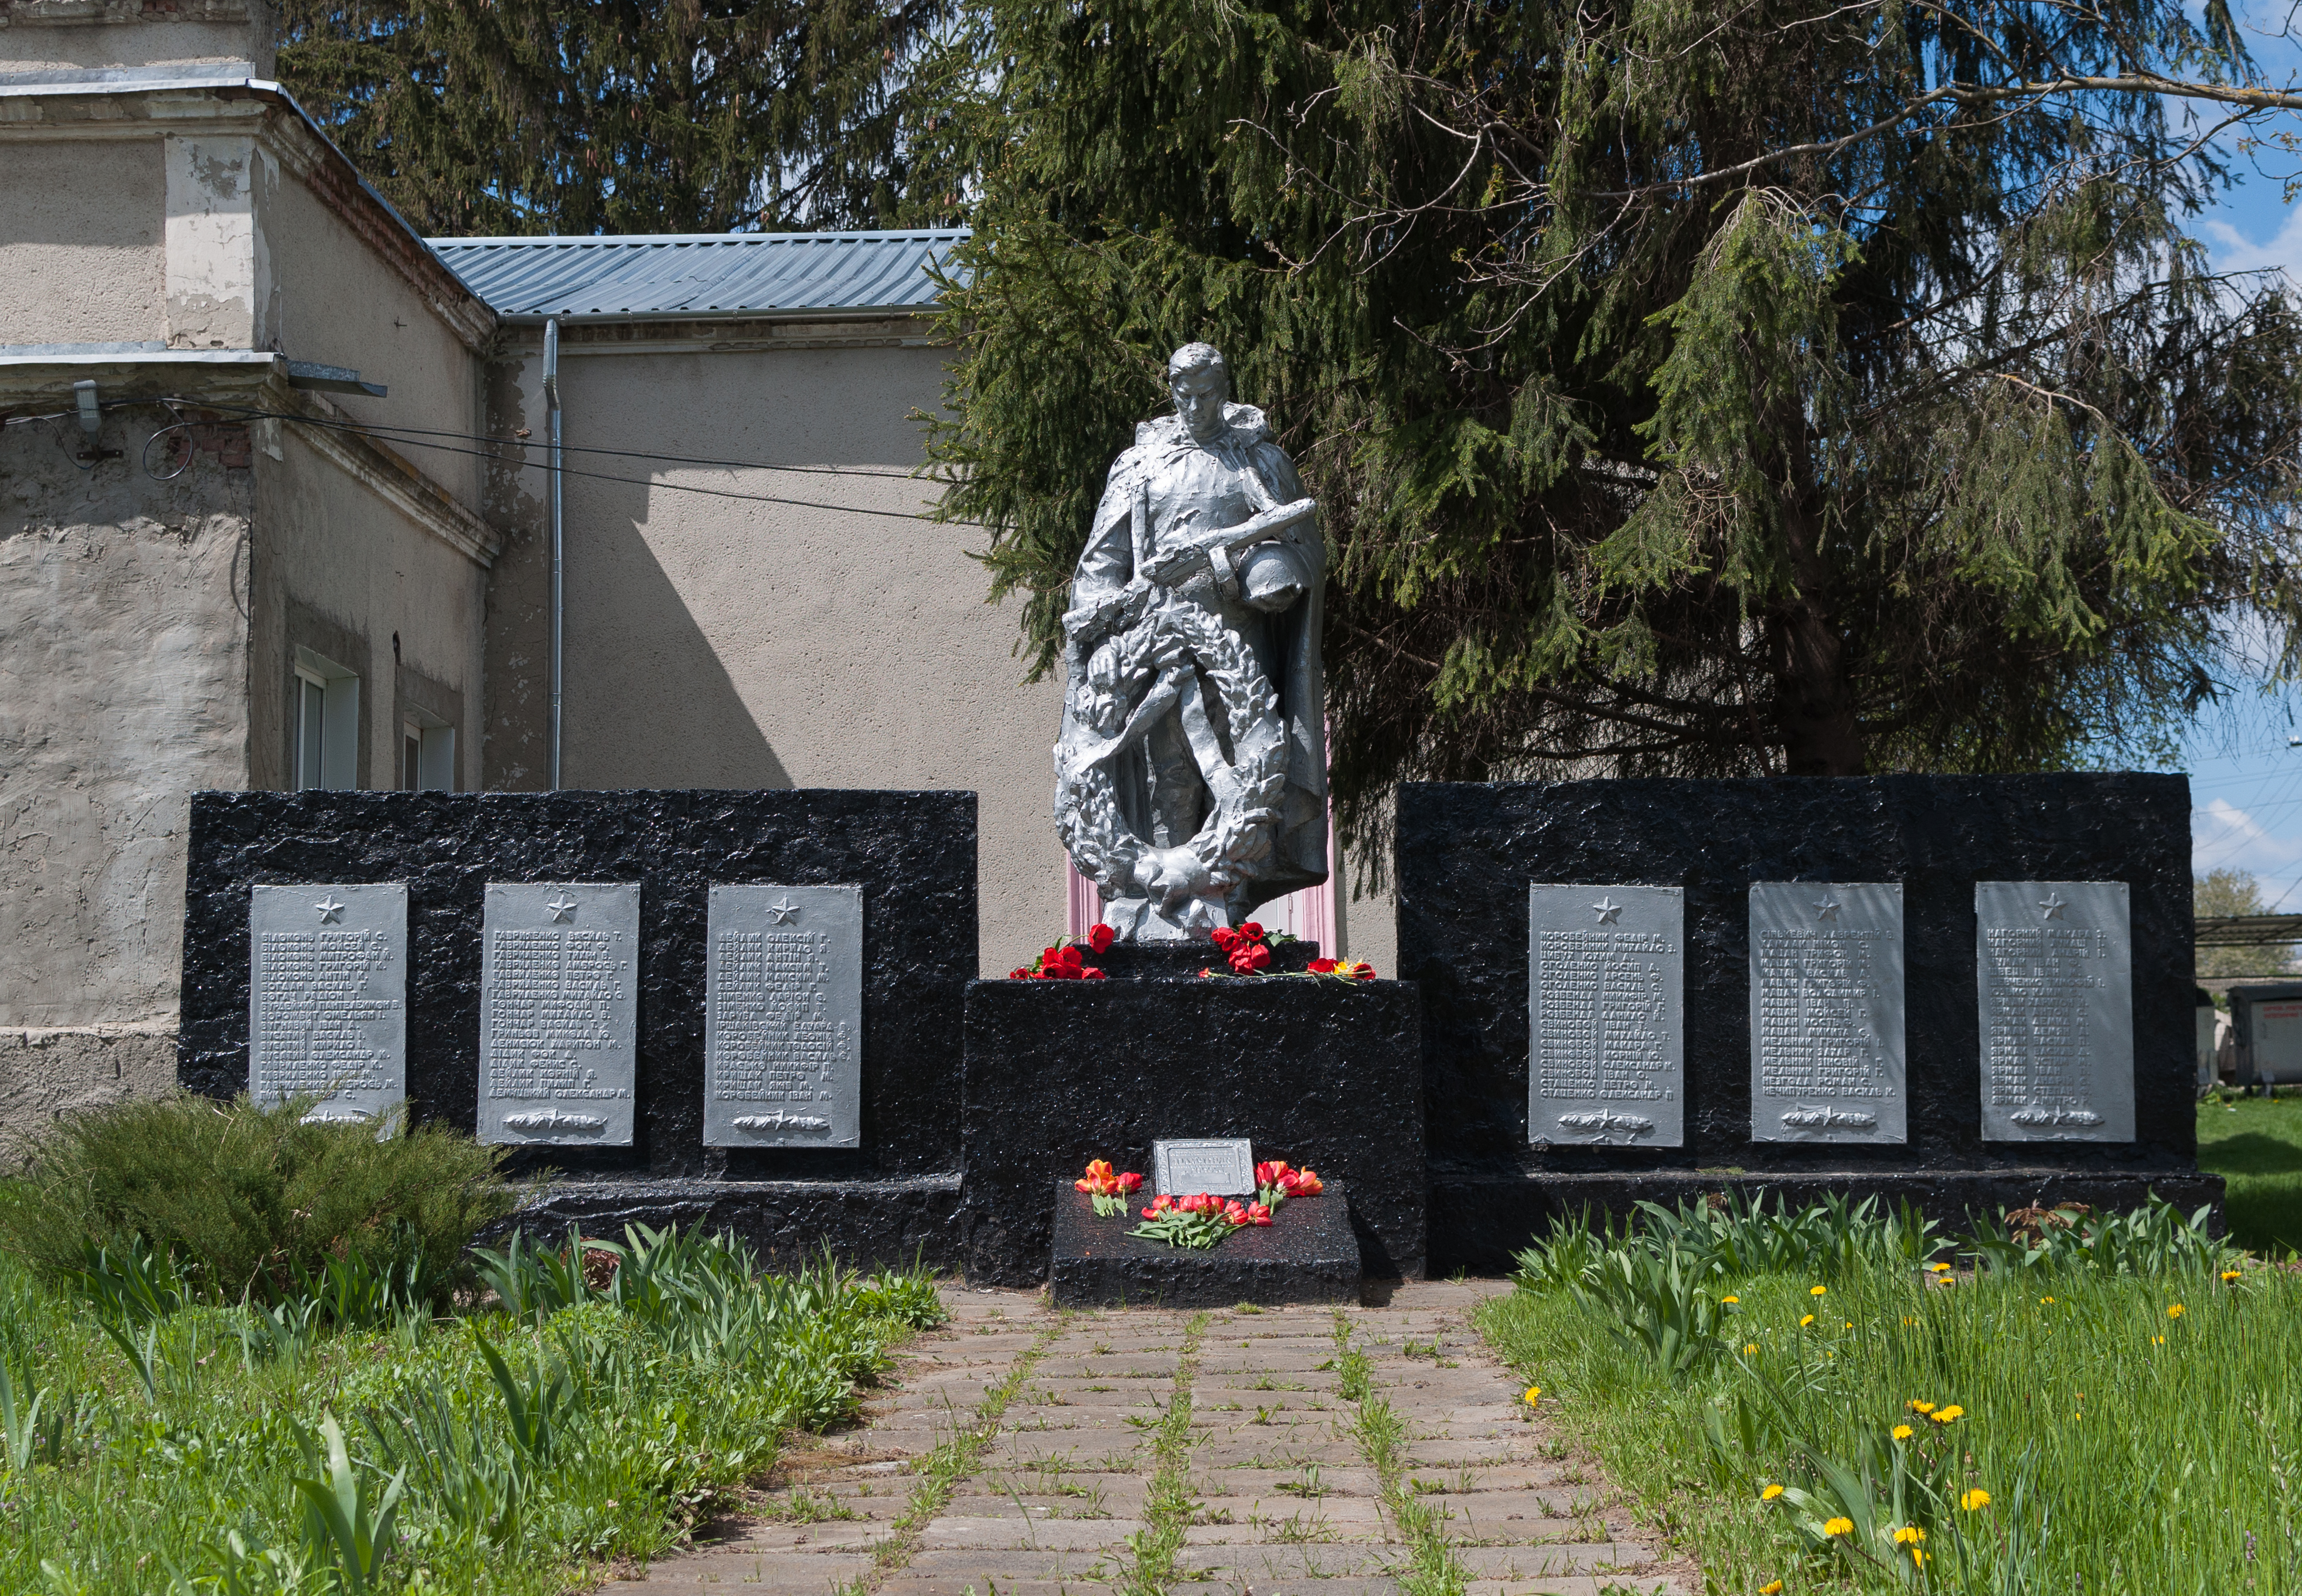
1307	1254
1325	1074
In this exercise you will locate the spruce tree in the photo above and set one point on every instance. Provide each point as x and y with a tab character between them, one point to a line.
533	116
1793	387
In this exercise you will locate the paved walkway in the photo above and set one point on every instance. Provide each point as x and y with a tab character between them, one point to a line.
1292	1452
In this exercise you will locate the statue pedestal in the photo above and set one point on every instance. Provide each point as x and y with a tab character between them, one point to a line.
1324	1074
1305	1253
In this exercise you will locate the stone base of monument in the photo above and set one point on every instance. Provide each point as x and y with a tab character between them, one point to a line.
867	1224
1307	1254
1183	960
1325	1074
1479	1219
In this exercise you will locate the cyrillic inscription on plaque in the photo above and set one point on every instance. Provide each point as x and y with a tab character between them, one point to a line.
1827	1011
1220	1168
558	1012
2054	985
782	1020
327	996
1606	993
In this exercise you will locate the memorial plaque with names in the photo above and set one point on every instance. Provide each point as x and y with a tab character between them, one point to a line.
1606	998
783	1017
327	996
1827	1062
2054	985
1220	1168
558	1012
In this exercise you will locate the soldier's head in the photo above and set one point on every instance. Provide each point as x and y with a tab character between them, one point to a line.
1201	384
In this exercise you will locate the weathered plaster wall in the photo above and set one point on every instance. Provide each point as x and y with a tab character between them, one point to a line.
41	36
46	1072
81	258
339	571
724	642
338	303
123	689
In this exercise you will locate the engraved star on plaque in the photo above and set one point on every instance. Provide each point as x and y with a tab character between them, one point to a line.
1607	910
1826	908
562	909
331	910
2052	905
783	909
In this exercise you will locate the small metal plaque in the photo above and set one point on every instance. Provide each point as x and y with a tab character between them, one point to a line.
558	1012
1827	1062
1218	1168
783	1017
2054	985
1606	996
327	996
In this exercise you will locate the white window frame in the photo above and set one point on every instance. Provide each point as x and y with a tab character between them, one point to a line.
338	731
433	743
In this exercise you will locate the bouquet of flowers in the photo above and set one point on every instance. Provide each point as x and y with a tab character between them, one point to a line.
1246	950
1199	1221
1274	1183
1109	1190
1064	962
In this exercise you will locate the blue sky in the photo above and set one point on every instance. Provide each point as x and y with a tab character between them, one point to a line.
2245	777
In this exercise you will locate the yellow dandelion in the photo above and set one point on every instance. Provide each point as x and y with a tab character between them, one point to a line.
1938	1269
1534	1396
1816	1290
1909	1534
2157	1341
2174	1311
1805	1320
1773	1587
1975	1500
1943	1415
1918	1558
1850	1325
1909	1322
2046	1301
1770	1493
2228	1275
1903	1433
1838	1526
1730	1301
1750	1349
1915	1406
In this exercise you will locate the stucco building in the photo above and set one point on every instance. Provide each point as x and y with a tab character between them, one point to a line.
274	512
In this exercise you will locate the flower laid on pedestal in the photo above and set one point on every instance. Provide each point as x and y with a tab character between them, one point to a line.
1064	962
1199	1221
1274	1183
1247	951
1109	1190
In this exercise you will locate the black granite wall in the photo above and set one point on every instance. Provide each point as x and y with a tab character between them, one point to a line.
1321	1074
913	854
1466	855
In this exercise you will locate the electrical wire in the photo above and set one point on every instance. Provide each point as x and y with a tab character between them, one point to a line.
385	434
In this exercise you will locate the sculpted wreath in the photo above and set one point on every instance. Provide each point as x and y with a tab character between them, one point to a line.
1166	644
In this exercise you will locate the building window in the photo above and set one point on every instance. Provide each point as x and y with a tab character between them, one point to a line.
427	753
327	723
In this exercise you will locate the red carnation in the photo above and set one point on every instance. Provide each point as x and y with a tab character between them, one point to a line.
1099	938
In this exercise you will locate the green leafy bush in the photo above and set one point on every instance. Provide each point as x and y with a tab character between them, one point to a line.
253	1199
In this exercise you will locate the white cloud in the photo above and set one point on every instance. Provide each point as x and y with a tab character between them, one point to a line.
2233	251
2223	836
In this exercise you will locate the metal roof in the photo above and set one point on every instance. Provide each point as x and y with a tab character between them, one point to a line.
689	274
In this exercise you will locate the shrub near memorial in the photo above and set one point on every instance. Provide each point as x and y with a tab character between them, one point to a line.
177	1421
1813	1397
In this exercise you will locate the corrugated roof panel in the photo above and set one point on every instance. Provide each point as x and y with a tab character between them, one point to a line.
701	274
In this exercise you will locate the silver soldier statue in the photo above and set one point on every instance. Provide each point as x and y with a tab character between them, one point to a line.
1191	775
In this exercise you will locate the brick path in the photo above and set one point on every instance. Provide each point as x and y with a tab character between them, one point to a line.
1022	1452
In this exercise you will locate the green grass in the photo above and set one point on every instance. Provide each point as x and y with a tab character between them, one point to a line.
2123	1449
611	1425
2256	1143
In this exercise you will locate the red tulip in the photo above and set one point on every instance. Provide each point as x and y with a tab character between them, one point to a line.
1323	966
1225	938
1068	954
1022	973
1130	1181
1061	972
1248	957
1251	931
1100	938
1303	1182
1091	974
1258	1214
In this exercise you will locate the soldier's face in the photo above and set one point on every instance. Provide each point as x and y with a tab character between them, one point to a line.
1199	398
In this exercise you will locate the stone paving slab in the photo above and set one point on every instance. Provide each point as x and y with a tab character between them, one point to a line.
1285	1502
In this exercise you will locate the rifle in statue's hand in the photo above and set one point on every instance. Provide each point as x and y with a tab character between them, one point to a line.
1212	551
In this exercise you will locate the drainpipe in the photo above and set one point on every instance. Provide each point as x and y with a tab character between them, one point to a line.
559	546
